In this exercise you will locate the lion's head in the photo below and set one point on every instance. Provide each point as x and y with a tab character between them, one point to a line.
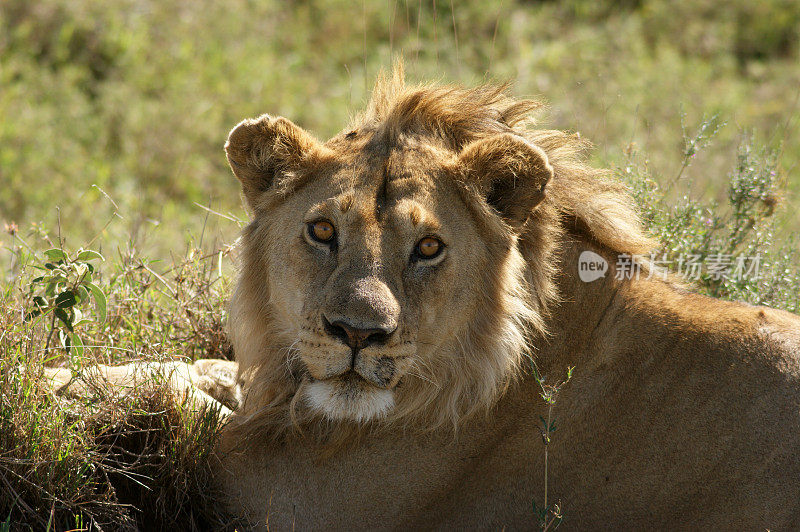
401	271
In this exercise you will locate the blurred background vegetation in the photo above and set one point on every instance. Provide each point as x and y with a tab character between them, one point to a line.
137	96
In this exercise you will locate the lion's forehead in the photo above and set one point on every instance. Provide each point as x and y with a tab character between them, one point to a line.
401	189
407	167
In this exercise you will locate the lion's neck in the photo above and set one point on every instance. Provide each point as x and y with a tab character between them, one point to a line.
577	316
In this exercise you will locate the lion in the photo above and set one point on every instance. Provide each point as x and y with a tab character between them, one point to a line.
396	280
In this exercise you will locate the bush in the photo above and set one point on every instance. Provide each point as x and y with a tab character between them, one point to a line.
731	250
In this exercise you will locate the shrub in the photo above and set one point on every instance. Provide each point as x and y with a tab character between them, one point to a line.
736	244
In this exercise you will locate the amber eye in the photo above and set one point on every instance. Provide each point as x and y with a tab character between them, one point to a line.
321	231
429	247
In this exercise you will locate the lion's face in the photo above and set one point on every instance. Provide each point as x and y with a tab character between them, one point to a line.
372	268
390	274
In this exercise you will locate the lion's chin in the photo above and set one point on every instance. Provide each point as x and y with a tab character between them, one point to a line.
349	398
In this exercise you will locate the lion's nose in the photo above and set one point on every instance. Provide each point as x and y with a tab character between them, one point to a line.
354	337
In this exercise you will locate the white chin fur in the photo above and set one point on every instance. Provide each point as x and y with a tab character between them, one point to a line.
331	400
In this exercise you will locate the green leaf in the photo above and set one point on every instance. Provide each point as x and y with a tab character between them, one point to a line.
66	299
83	294
89	254
62	315
77	345
99	300
55	277
80	268
55	254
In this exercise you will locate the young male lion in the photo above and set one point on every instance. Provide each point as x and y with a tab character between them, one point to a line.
395	278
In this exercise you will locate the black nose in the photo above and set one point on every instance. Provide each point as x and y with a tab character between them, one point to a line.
354	337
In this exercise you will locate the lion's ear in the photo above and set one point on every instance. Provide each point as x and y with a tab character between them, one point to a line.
263	150
509	172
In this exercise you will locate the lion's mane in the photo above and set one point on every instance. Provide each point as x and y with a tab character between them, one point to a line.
518	294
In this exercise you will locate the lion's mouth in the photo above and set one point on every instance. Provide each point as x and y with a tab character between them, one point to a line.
353	379
349	396
350	378
382	371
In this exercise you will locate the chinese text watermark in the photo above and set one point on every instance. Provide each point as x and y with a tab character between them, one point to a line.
718	266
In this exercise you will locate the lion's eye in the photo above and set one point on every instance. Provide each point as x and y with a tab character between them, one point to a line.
429	247
321	231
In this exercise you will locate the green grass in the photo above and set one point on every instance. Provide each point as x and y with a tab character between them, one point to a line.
112	120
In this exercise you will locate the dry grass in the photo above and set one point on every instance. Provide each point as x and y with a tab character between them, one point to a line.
111	462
